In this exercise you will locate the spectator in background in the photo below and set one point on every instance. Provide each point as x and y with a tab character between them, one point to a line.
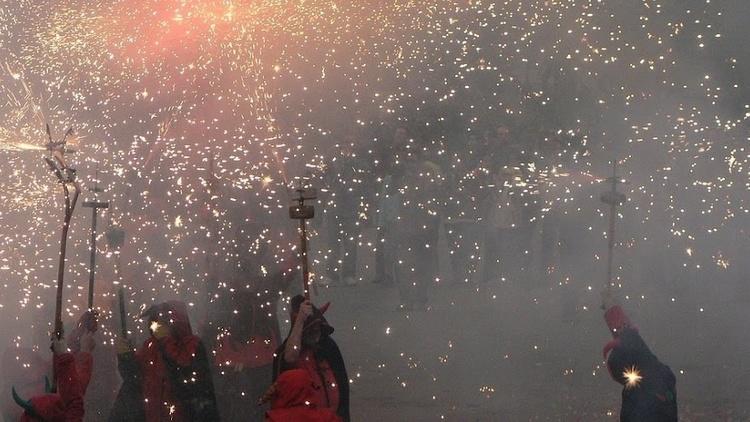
418	224
504	248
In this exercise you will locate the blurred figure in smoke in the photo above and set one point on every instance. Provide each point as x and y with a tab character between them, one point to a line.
293	399
418	230
310	347
498	148
389	171
173	370
463	227
649	387
247	337
345	176
73	374
504	247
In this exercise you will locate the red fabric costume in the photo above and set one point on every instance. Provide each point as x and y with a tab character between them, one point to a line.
180	347
295	398
74	373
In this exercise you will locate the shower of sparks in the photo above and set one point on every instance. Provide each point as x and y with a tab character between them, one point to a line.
202	115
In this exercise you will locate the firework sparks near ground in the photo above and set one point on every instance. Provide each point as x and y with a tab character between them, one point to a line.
202	114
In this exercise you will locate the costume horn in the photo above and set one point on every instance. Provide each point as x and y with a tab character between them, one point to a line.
27	406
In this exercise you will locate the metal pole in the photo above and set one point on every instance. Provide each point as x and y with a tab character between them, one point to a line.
94	205
123	313
611	232
305	268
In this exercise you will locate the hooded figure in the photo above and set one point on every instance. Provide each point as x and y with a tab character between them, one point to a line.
310	347
27	379
73	375
73	372
173	370
293	398
649	387
64	406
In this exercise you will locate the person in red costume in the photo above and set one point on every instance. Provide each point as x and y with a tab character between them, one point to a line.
25	371
310	347
649	391
293	398
73	375
173	369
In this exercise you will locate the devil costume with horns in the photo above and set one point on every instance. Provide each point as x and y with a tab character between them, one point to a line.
67	404
323	362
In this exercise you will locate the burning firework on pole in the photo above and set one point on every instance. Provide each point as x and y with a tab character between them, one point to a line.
66	176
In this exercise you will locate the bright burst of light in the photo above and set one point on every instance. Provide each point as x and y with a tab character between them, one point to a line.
632	376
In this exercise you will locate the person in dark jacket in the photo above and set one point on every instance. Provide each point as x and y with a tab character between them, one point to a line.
173	371
309	346
649	391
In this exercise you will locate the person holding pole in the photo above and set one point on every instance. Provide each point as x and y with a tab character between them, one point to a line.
73	374
649	391
310	347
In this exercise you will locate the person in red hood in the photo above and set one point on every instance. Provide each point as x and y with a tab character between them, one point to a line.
173	370
649	391
293	399
72	379
31	377
310	347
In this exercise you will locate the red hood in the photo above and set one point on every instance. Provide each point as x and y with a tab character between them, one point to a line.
294	388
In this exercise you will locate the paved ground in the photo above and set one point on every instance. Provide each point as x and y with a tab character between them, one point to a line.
496	353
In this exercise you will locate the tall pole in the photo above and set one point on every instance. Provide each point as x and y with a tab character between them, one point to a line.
70	204
614	199
303	213
95	206
305	267
115	239
66	176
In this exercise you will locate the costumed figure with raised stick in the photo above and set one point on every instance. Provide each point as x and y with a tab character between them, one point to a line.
309	345
71	369
649	391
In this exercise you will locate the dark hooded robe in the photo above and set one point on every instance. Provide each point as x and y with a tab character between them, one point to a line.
172	374
323	363
649	391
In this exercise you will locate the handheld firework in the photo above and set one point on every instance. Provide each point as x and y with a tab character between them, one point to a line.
66	177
